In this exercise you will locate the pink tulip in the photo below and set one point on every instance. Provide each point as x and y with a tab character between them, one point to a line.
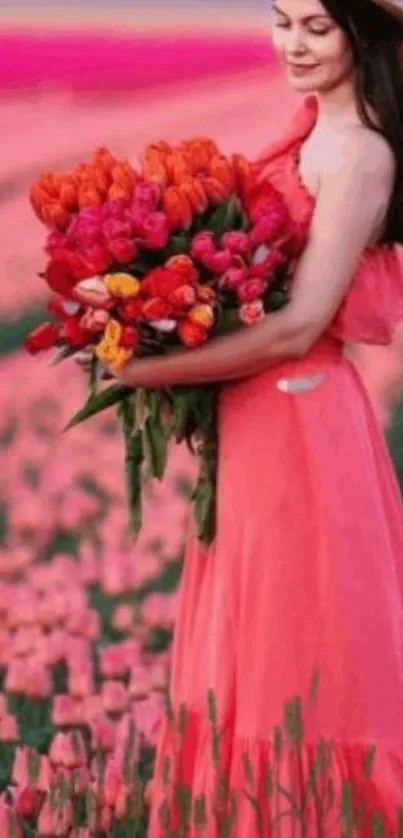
64	711
20	774
123	617
92	292
92	709
123	251
8	729
113	661
237	242
155	231
147	718
147	196
54	820
38	681
100	819
81	683
251	290
27	802
137	216
76	779
103	734
268	226
124	797
113	781
3	705
155	610
114	696
9	826
16	677
234	277
218	262
95	320
252	312
201	245
114	228
68	750
140	683
23	774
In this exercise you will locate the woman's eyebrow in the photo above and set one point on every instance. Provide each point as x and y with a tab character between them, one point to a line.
307	18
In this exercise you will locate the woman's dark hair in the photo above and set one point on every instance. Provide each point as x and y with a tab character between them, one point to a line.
376	39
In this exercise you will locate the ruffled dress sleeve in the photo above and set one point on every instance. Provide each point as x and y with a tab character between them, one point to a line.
373	304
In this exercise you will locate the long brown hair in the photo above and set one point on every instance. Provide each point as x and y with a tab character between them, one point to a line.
376	40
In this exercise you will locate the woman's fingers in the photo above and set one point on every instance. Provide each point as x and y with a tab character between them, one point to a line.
84	359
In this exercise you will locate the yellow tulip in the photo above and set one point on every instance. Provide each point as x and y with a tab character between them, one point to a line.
122	285
203	315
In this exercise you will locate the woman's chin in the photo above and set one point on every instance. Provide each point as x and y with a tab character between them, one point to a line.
303	85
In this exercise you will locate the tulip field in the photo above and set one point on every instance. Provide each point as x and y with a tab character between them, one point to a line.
86	615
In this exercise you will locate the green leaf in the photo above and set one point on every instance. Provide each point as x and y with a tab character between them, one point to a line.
93	376
223	218
179	244
62	354
183	409
157	446
95	404
134	457
204	501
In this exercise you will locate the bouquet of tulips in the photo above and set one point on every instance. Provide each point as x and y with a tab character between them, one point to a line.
144	260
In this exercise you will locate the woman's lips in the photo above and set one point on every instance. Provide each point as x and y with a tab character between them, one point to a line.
301	69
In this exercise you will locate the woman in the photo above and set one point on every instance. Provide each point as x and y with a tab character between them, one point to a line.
304	582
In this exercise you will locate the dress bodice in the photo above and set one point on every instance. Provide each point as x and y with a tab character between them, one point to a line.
373	304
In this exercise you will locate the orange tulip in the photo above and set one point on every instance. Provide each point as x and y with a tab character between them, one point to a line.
183	296
39	199
54	215
205	294
117	192
243	174
178	168
220	169
88	196
215	190
103	159
68	194
200	151
192	334
102	181
185	267
123	175
194	192
154	165
177	208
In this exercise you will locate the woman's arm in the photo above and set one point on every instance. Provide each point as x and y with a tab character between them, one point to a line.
350	208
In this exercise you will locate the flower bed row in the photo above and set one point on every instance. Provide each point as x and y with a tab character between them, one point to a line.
85	617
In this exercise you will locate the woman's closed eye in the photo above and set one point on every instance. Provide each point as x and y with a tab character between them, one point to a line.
312	30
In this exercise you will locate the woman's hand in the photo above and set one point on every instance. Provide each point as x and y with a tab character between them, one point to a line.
84	359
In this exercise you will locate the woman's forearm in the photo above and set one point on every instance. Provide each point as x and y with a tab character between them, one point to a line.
241	354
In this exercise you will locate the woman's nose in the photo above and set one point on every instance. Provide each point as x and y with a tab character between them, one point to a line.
295	42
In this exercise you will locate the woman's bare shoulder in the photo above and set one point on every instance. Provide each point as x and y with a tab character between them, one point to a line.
365	153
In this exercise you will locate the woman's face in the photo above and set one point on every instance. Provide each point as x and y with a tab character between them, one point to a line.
313	48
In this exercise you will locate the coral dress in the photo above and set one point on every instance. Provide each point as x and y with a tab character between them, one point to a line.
301	594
